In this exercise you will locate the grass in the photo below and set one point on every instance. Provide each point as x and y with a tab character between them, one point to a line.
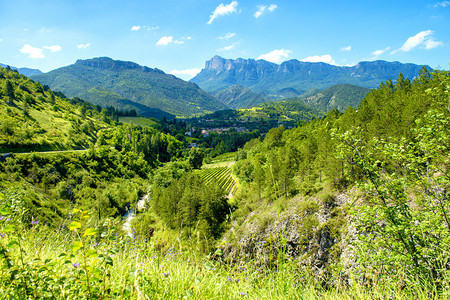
141	121
44	263
226	157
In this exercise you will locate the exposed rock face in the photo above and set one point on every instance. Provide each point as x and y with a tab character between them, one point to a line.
263	76
106	63
303	233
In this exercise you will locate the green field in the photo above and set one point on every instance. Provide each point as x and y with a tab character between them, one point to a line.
141	121
221	175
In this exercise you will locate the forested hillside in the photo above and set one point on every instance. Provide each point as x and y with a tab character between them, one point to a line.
363	193
339	96
35	118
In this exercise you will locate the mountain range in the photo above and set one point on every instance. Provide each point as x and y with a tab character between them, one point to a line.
24	71
222	84
127	85
295	77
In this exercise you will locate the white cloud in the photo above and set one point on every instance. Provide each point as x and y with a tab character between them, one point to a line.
54	48
148	28
276	56
164	41
186	74
227	36
431	44
272	7
223	10
83	46
45	30
260	11
423	38
264	8
1	40
346	49
32	51
442	4
324	58
227	48
377	53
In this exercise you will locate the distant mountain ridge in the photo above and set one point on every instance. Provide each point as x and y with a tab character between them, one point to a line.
262	76
128	85
24	71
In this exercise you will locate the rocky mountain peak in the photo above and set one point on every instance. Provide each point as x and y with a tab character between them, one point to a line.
106	63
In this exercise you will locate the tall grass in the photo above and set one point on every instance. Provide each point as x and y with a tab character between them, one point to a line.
38	262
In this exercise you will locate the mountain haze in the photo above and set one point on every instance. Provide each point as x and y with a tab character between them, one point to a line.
296	76
127	85
24	71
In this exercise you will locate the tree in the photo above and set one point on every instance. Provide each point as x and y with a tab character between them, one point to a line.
196	157
52	99
404	224
9	90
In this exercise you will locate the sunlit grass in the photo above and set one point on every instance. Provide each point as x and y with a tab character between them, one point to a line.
139	271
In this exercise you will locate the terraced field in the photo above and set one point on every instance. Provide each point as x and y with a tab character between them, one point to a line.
221	175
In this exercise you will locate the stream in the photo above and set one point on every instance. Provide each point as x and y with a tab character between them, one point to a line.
131	213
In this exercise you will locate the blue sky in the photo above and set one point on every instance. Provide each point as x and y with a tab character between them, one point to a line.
179	36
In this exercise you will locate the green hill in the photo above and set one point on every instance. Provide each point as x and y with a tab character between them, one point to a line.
238	96
339	96
24	71
127	85
34	118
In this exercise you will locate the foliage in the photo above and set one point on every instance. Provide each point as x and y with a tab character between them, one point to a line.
396	150
195	158
404	223
262	118
103	180
339	96
191	205
87	261
35	118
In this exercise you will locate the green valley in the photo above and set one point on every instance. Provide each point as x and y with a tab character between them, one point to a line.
277	201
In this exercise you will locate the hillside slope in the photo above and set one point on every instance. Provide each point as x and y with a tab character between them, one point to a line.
127	85
338	96
33	118
238	96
